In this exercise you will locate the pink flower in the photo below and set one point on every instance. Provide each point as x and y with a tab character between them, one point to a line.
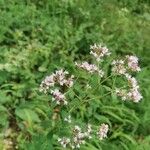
48	82
133	63
91	68
135	95
58	97
64	141
69	81
102	132
132	81
118	67
99	51
60	76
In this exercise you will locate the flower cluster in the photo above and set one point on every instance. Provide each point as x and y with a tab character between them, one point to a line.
132	81
118	67
79	137
48	82
91	68
134	95
99	51
122	67
57	83
61	78
132	62
58	97
131	94
64	141
102	132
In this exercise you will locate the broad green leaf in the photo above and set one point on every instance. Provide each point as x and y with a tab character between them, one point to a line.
27	115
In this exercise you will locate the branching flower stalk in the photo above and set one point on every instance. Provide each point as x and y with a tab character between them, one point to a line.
55	84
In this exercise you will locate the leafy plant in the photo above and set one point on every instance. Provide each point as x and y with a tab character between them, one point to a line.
38	37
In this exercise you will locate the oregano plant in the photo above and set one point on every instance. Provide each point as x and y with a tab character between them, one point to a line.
68	92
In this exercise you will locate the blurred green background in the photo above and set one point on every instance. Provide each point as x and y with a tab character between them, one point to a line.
39	36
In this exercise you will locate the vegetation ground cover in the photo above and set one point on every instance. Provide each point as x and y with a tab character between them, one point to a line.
40	36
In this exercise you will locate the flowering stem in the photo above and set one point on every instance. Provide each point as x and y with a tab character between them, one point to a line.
84	101
107	78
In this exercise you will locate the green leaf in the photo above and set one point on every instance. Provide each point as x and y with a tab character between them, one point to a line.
2	108
27	115
42	69
114	116
4	98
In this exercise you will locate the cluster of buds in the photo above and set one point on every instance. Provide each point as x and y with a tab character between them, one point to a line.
91	68
61	78
99	51
121	67
79	137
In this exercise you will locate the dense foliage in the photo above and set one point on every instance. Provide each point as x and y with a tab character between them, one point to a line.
38	37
